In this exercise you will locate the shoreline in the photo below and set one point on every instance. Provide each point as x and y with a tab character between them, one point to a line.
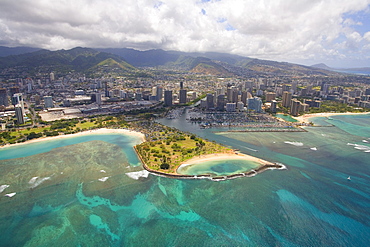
264	166
88	132
222	156
305	118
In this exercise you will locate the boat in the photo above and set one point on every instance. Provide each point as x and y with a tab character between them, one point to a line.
349	178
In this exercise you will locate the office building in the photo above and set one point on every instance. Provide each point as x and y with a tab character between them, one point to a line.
210	101
19	114
221	101
48	102
167	98
3	97
159	93
183	94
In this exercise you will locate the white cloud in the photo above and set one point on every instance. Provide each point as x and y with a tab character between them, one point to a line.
285	30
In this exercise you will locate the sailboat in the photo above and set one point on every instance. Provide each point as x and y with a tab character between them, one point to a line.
349	178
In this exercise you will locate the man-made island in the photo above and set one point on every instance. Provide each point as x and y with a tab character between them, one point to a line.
168	149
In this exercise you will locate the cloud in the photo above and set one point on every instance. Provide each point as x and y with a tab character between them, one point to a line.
286	30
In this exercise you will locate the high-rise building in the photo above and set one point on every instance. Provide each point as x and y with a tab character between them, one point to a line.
295	107
17	99
287	97
235	95
3	97
273	106
96	97
181	85
159	93
52	77
230	107
244	97
19	114
221	102
255	104
210	101
168	97
270	96
138	96
183	94
14	90
48	102
37	99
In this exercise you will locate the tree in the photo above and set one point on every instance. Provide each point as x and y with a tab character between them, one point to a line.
165	166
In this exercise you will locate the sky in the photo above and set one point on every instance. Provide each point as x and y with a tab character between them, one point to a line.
334	32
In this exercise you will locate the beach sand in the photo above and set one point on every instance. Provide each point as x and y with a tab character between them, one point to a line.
89	132
223	156
305	118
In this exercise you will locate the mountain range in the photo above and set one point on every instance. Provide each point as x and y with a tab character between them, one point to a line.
128	60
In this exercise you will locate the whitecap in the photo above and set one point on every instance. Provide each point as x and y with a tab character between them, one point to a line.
10	194
3	187
137	175
103	179
103	171
33	180
314	148
365	141
36	181
360	147
297	144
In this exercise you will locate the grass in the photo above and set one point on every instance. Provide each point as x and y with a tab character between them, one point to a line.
174	150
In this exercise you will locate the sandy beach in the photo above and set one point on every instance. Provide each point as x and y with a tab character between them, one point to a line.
305	118
223	156
89	132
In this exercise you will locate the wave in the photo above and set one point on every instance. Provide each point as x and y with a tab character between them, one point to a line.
365	141
364	148
103	179
137	175
297	144
314	148
10	194
3	187
103	171
36	181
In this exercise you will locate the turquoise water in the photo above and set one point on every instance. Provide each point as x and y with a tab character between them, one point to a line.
73	203
286	117
219	167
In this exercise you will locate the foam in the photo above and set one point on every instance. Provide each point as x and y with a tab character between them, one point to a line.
365	141
33	180
364	148
3	187
297	144
103	171
314	148
103	179
137	175
36	181
10	194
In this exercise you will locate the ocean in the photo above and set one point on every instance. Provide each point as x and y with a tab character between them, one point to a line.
92	191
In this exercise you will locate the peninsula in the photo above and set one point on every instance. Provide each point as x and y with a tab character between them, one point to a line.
168	149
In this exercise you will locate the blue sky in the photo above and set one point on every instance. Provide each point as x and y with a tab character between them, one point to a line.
336	33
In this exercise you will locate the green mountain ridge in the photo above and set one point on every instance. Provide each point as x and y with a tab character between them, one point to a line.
78	59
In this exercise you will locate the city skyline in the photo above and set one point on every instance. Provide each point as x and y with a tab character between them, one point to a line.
335	33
